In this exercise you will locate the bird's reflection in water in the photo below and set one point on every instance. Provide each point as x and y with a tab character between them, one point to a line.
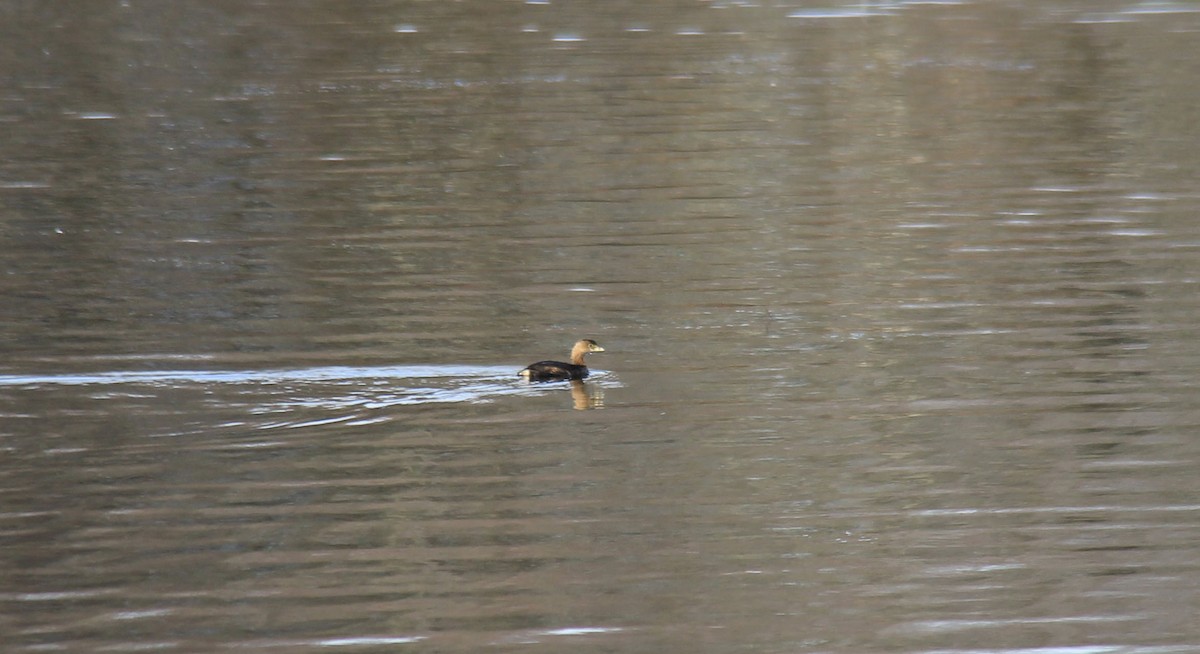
586	396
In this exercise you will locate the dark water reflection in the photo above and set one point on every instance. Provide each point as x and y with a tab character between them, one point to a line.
898	300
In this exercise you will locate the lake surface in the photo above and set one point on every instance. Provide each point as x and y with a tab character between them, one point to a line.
901	304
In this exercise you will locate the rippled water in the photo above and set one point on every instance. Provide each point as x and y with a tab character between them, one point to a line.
898	302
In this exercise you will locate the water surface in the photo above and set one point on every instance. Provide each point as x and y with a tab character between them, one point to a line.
898	303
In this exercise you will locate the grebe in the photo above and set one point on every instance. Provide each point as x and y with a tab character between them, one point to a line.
555	370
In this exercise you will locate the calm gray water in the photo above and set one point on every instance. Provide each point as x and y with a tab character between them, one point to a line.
901	303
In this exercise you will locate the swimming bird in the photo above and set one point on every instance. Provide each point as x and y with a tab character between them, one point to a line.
558	370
